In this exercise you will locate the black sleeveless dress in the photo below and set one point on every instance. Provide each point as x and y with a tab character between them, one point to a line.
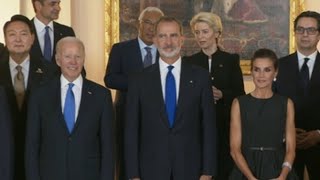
263	124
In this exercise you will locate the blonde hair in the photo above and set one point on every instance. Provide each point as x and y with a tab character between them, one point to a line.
211	19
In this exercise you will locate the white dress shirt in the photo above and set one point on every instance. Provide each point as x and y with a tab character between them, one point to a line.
176	73
25	69
143	51
41	30
77	89
310	63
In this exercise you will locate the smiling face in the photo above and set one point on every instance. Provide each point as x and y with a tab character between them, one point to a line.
70	57
263	72
18	38
205	36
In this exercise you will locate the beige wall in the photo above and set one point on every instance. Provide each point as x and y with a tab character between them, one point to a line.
11	7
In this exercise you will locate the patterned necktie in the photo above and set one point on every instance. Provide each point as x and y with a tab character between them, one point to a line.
304	75
148	58
19	87
47	45
170	96
69	108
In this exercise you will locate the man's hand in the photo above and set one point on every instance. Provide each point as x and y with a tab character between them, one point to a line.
217	94
308	139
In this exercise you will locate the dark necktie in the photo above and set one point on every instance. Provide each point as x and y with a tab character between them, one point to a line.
170	96
148	57
304	75
69	108
47	45
19	86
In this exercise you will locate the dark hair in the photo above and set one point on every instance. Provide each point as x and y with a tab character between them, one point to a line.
21	18
308	14
168	19
33	4
265	53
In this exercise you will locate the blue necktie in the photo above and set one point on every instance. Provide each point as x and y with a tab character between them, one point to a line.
170	96
69	108
304	75
47	45
148	57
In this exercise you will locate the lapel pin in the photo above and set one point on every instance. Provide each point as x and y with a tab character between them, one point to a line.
89	92
191	82
39	71
221	65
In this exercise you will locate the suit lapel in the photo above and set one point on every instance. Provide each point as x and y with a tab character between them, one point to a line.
315	72
154	80
186	81
84	103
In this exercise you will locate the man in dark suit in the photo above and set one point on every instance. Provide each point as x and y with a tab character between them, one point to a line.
6	150
19	36
299	79
46	12
170	124
126	58
69	133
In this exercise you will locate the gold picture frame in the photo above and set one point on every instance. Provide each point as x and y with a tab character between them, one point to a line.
112	33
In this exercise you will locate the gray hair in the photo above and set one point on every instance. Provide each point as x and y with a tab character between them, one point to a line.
149	9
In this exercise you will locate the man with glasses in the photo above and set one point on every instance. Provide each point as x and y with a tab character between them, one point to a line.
299	78
125	58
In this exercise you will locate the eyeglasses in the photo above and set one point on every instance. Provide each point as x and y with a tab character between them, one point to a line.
148	22
309	30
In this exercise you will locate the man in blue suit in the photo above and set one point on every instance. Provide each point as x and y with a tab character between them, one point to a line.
69	127
299	79
170	127
6	150
126	58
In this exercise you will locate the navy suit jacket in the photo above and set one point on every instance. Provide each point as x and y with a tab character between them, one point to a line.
125	58
153	150
307	115
39	72
59	31
6	150
52	152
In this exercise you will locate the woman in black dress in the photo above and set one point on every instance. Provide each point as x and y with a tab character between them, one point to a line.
262	129
227	81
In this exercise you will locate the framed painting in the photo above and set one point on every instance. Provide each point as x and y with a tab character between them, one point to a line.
247	24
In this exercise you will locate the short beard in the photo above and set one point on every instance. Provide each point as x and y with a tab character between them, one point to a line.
172	54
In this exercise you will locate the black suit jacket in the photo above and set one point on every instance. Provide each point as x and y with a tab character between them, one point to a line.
85	154
307	115
6	150
39	72
227	76
155	151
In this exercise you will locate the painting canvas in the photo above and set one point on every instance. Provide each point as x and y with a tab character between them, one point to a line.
247	24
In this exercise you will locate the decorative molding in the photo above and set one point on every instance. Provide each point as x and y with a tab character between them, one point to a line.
111	25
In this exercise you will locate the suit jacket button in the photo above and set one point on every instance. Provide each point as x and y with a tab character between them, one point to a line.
69	138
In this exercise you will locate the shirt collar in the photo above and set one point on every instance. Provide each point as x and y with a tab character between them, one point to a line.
142	45
312	56
40	26
77	82
177	65
25	63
